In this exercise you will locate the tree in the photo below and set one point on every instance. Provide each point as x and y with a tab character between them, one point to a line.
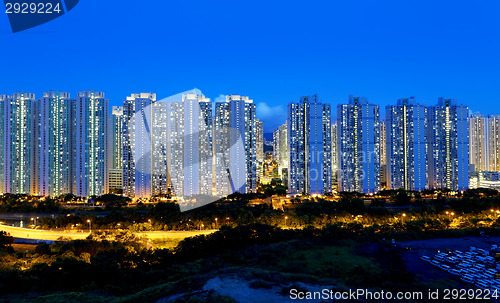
6	241
165	212
378	203
43	249
402	197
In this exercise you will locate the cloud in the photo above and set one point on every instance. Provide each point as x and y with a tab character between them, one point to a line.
220	98
273	116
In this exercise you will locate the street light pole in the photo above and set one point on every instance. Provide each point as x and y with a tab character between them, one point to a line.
90	225
285	220
34	221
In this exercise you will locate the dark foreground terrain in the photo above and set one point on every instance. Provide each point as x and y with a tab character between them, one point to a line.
253	263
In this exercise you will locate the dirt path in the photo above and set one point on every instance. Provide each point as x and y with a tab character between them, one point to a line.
239	289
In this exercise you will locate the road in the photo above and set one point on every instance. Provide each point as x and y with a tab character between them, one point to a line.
48	235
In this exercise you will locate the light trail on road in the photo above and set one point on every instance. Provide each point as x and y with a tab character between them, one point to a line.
48	235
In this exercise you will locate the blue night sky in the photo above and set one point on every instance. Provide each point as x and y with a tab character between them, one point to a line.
272	51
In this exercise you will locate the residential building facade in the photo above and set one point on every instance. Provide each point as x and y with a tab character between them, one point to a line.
449	145
358	127
53	140
478	142
19	152
92	148
406	141
309	146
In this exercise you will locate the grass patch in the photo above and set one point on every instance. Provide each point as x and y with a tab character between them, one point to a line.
24	247
74	297
340	262
150	294
169	243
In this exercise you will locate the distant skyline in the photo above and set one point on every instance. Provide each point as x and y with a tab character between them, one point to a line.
274	52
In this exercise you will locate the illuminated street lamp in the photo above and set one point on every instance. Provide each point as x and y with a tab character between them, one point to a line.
90	224
285	220
404	215
34	221
216	223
